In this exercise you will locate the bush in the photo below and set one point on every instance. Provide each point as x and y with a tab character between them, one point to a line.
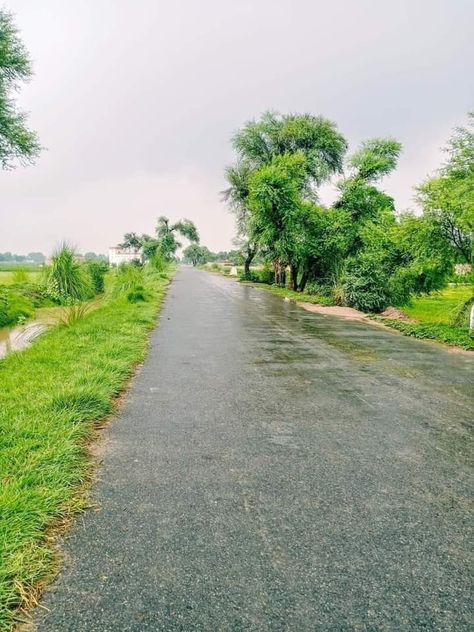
13	308
68	280
157	262
265	275
97	270
127	278
137	294
365	286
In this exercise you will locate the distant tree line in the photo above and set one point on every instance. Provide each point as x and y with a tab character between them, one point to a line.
39	257
359	250
35	257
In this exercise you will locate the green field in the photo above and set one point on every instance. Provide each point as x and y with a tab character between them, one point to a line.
7	277
45	425
440	306
434	317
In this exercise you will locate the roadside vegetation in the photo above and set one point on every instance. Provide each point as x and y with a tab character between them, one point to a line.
52	396
441	316
358	252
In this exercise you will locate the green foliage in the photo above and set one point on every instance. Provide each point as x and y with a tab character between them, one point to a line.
265	275
447	199
14	307
20	275
457	336
72	314
68	280
127	277
137	294
157	262
365	285
376	158
196	254
17	143
97	271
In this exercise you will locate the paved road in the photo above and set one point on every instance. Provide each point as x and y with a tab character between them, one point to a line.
273	469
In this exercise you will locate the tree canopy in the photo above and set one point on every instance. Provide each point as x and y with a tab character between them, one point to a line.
359	250
18	144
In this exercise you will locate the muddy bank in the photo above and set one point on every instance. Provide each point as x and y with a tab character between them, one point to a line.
334	310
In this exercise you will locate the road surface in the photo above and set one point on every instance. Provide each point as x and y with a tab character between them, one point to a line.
274	469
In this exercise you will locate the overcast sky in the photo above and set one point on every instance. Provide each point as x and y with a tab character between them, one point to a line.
136	101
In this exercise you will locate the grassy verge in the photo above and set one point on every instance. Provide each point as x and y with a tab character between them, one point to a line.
7	277
456	336
433	315
438	307
51	396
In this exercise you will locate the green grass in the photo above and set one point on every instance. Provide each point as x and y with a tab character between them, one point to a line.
7	277
438	307
51	397
456	336
434	314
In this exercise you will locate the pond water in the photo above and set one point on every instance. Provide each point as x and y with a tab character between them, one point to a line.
20	337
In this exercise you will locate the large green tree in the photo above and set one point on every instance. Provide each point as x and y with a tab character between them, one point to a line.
18	144
447	198
280	157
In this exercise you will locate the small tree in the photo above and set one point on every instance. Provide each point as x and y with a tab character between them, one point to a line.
17	143
197	255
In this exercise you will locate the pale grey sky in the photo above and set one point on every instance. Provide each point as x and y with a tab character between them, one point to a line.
136	101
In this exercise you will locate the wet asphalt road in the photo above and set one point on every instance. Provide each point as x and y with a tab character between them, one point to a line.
273	469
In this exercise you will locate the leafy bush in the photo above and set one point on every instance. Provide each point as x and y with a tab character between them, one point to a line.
137	294
366	286
265	275
14	307
97	270
158	262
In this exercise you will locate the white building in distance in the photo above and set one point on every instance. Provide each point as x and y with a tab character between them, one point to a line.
118	255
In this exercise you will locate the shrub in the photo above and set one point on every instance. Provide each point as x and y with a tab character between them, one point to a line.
127	278
157	262
14	308
20	275
137	294
97	270
365	286
67	279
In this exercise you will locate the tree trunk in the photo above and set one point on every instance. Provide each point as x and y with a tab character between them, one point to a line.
303	281
248	260
294	277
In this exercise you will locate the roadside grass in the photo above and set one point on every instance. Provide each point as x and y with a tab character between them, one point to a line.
7	277
434	315
438	307
51	397
456	336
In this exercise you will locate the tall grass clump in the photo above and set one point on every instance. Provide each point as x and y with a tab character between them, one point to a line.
67	279
20	275
130	282
97	271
